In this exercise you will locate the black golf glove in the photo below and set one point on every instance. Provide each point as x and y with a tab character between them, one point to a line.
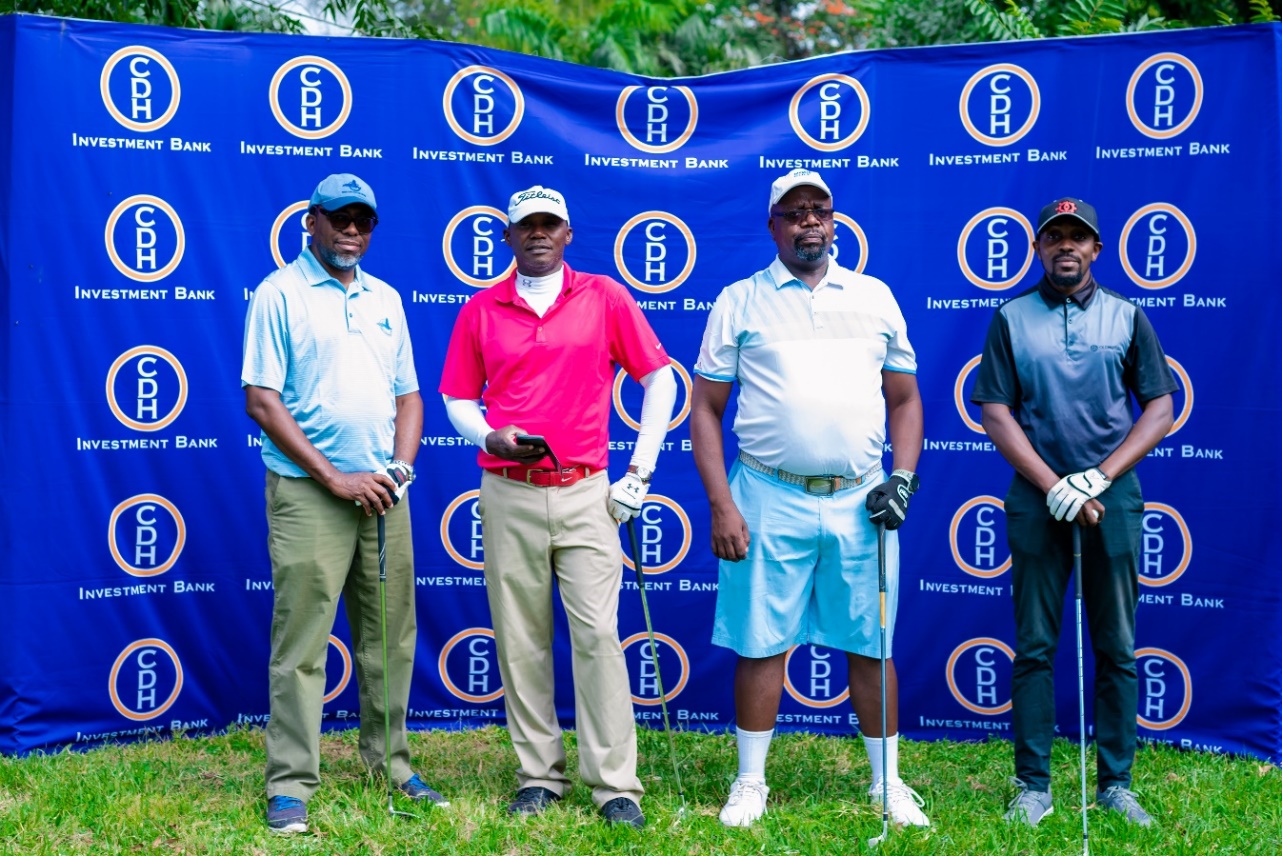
888	502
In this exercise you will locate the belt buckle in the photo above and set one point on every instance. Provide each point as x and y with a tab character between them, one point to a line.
529	476
821	485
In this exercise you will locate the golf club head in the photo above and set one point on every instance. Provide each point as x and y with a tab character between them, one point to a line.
873	842
394	812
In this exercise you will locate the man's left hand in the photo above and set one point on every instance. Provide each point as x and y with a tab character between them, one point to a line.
1073	491
626	496
887	503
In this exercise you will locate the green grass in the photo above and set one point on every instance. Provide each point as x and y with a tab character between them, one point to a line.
206	796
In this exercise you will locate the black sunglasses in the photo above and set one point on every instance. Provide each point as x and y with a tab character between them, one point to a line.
340	220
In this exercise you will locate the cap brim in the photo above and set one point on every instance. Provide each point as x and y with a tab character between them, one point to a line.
344	201
1068	216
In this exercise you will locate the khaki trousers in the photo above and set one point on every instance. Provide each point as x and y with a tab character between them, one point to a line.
533	535
322	546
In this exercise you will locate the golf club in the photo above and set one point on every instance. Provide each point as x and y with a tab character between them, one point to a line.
654	658
885	779
1081	692
387	692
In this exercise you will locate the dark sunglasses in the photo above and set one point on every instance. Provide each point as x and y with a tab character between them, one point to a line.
340	220
800	215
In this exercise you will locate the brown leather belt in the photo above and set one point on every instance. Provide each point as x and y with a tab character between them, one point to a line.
818	485
545	478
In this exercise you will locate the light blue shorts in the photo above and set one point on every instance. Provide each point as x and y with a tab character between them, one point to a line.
810	576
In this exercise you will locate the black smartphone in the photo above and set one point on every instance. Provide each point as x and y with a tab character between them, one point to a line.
530	440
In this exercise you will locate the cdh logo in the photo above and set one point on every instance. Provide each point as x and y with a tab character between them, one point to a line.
651	254
838	112
812	679
994	99
960	394
140	675
152	223
642	675
1186	382
976	540
484	96
470	657
477	228
659	515
650	125
462	538
978	678
140	528
281	253
1167	692
1163	87
621	408
137	96
1165	253
1160	563
298	91
990	262
157	380
336	646
847	224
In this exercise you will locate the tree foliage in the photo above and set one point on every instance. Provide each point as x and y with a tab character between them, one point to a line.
667	38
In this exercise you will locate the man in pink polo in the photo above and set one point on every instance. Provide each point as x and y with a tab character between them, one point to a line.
540	350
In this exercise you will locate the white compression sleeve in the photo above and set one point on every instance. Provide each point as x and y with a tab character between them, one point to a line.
468	420
656	411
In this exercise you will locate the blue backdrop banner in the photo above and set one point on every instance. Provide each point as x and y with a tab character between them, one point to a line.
153	177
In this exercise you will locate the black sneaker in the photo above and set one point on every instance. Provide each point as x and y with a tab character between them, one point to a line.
286	814
532	801
417	790
623	810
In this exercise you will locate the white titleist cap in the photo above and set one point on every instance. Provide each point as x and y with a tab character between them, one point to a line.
796	178
536	200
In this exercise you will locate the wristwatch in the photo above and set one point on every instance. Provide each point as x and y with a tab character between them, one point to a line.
642	473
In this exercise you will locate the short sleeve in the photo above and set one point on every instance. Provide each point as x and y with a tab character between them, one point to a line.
464	373
997	382
633	343
265	360
1146	372
719	353
406	375
900	356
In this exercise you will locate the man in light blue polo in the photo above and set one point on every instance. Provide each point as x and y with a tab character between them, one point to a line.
822	358
329	376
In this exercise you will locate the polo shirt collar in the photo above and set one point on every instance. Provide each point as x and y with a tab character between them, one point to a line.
314	272
781	276
1055	299
505	291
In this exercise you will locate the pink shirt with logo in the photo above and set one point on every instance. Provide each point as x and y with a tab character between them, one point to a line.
553	375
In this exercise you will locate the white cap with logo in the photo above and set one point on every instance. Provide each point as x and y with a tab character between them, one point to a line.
536	200
796	178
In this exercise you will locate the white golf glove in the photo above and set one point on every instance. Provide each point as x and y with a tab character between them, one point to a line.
1073	491
401	474
626	496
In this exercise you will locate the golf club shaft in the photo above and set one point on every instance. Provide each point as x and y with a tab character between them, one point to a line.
654	655
1081	687
881	592
387	692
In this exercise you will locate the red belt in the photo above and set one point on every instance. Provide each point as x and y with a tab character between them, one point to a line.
545	478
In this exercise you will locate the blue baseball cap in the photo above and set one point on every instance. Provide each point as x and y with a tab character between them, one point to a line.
343	189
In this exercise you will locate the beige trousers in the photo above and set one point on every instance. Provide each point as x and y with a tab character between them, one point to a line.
533	535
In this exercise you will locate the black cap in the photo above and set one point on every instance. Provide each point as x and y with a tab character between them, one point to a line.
1069	207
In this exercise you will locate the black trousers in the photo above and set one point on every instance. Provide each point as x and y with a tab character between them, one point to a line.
1042	557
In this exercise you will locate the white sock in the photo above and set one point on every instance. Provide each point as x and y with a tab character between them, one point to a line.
753	746
873	746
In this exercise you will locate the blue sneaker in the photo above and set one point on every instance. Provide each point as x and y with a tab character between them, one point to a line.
286	814
418	790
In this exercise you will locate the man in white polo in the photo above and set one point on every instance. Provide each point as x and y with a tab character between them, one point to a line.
823	362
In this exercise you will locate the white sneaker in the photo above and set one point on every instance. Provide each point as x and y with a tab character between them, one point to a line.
904	804
747	802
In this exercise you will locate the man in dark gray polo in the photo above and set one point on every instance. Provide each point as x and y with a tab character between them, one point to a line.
1060	366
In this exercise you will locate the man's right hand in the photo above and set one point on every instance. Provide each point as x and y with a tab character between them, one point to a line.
501	443
730	536
374	492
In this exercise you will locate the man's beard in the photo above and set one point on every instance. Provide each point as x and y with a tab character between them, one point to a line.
1066	280
339	261
806	254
